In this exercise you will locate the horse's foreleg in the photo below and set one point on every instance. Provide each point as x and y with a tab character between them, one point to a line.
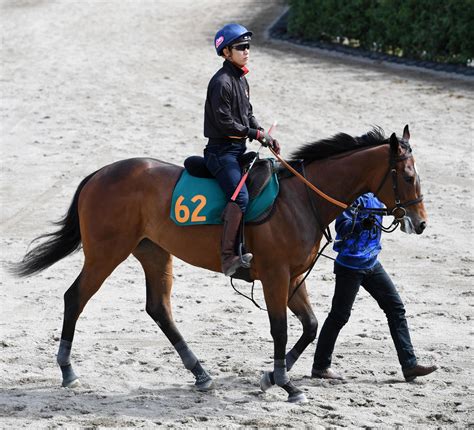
276	296
157	264
301	307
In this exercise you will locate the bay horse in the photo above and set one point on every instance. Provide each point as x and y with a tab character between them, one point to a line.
124	208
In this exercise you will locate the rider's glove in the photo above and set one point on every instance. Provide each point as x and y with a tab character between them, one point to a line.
264	138
275	146
368	223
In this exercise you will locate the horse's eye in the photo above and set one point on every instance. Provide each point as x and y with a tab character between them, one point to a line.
409	179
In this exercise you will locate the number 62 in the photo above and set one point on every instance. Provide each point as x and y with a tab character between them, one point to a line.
182	212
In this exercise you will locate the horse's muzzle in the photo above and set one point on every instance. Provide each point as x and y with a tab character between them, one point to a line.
421	227
408	227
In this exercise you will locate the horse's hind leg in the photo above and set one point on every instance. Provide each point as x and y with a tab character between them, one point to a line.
88	282
157	264
301	307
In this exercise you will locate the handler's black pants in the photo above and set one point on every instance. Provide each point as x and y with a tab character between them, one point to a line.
379	285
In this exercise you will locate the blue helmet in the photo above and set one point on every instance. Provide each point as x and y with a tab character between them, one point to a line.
228	34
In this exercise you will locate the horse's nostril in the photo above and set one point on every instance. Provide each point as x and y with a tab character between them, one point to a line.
422	225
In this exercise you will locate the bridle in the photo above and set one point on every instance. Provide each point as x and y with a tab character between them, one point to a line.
399	210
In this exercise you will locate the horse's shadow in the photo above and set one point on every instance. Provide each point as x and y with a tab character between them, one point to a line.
313	382
169	403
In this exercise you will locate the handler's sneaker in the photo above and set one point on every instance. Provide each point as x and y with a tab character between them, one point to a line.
418	370
326	374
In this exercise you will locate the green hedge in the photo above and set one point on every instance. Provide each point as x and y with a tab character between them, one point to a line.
431	30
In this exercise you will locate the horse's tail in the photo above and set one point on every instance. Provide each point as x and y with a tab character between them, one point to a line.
60	243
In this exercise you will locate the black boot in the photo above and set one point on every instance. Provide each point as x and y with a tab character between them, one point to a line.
230	260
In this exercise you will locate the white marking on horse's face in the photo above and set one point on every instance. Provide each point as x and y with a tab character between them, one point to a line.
416	170
407	225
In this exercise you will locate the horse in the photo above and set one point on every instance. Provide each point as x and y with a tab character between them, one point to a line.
124	208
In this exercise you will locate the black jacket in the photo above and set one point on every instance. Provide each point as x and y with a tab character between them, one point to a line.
228	112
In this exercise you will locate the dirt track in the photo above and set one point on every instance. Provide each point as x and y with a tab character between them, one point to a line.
87	83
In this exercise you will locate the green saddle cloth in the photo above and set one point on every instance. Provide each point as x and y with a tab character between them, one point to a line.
201	201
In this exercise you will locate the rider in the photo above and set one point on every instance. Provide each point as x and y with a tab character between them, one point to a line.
358	245
228	122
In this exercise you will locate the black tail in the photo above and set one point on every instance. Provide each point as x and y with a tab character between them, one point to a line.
61	243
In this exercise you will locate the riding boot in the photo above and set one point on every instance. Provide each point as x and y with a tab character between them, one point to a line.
230	260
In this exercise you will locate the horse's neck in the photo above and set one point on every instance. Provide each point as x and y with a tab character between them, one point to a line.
346	178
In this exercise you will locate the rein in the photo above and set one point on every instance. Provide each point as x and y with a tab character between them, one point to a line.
327	232
383	212
309	184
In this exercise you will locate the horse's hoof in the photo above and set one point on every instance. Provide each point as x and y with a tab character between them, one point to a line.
297	398
71	384
206	385
266	382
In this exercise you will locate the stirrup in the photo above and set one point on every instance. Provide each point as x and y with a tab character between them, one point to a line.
245	259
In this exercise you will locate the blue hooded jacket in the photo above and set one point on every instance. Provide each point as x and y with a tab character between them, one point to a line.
358	248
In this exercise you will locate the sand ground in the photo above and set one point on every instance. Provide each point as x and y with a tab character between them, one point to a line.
87	83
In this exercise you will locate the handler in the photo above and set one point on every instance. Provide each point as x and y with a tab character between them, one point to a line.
228	122
358	245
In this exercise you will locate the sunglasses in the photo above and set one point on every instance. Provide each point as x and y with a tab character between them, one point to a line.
241	47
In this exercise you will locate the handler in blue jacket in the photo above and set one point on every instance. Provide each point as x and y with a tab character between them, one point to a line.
358	245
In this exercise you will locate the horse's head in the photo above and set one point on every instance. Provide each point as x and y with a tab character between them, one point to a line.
400	190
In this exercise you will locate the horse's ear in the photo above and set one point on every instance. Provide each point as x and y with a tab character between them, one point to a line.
406	133
394	143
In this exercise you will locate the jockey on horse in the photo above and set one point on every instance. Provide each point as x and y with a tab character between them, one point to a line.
228	122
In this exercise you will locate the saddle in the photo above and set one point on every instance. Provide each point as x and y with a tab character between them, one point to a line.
259	175
262	182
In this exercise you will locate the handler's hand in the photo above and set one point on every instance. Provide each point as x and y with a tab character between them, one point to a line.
368	223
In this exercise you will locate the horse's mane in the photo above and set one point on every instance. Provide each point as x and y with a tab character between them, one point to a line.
338	144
